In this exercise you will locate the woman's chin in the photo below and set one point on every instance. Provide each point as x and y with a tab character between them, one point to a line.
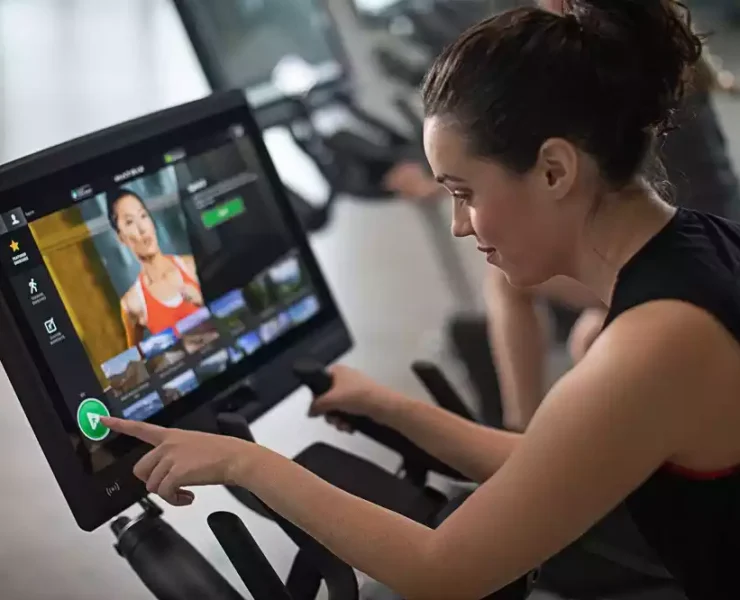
147	254
522	279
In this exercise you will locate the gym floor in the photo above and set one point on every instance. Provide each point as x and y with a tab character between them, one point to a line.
68	67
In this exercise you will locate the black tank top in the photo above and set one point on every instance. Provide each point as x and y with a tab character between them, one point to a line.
691	520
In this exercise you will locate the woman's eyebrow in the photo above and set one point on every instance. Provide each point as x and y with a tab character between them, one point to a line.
444	178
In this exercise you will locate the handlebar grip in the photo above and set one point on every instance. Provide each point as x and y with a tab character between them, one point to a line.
168	565
316	378
312	374
248	559
440	389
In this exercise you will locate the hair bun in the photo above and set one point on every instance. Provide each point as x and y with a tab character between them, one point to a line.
645	49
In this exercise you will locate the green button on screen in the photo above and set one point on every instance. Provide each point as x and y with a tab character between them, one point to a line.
88	419
213	217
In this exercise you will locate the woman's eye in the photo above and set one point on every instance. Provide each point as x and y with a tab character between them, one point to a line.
462	197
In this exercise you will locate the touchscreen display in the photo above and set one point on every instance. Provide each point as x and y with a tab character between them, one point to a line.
143	283
246	40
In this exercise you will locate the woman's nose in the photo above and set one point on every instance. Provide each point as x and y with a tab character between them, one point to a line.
461	226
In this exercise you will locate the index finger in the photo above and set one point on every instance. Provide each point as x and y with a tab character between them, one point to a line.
146	432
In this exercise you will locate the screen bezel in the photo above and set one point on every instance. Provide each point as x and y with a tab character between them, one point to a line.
97	497
278	111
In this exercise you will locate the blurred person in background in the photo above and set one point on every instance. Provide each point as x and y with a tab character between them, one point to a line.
700	175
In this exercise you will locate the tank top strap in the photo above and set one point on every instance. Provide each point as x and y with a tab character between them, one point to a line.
183	268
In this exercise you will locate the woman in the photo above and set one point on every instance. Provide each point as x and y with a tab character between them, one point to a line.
166	289
697	163
540	126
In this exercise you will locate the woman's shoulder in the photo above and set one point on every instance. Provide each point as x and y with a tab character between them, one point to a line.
694	261
131	298
185	262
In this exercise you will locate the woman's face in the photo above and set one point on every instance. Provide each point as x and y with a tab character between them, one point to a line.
136	228
522	223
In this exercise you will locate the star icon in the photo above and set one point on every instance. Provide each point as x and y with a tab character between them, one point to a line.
15	246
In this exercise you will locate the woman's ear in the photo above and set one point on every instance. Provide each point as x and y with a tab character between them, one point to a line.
558	161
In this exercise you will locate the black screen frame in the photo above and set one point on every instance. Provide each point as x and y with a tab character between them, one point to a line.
279	111
95	498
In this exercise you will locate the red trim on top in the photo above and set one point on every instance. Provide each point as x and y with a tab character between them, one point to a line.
700	475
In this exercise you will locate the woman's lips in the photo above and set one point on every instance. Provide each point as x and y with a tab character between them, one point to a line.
489	252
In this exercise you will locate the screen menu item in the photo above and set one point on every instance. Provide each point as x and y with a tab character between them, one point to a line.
142	284
243	42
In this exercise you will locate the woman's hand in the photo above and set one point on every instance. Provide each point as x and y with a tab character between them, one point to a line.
182	458
353	393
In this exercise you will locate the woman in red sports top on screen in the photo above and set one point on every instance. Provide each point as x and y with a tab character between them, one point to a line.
167	288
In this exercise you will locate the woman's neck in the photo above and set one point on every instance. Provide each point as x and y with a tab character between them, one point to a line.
155	268
622	225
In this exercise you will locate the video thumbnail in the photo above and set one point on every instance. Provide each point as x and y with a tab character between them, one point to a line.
197	330
179	386
214	365
249	342
125	372
261	294
288	277
304	309
162	350
231	312
144	408
235	354
273	328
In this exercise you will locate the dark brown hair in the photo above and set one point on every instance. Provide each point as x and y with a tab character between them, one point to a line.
607	75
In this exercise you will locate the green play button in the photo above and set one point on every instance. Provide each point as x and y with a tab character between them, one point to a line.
88	419
223	212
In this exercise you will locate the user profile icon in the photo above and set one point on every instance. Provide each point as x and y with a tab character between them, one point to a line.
15	218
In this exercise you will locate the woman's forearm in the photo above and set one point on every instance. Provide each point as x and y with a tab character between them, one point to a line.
386	546
470	448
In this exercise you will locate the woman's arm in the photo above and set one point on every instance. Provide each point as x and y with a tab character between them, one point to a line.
519	344
472	449
593	442
626	409
519	338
